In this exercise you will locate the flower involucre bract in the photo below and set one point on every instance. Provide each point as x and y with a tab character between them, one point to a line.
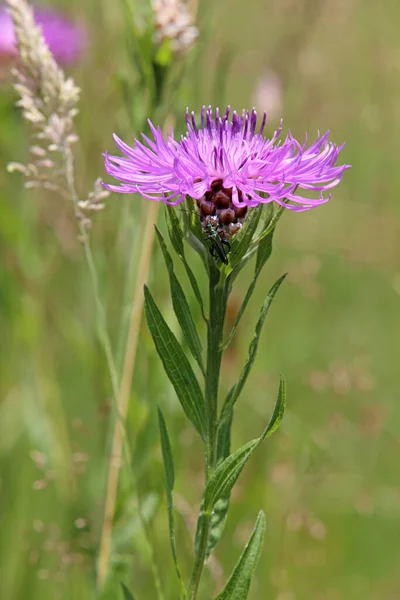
228	149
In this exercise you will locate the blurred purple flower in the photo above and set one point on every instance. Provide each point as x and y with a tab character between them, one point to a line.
64	38
253	168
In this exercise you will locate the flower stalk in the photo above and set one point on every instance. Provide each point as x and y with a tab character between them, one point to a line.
218	300
218	297
225	171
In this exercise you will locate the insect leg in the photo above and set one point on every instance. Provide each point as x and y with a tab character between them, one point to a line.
212	250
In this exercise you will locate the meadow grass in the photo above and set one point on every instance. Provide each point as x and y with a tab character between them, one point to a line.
329	480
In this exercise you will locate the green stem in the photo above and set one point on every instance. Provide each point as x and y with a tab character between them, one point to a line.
218	300
200	558
218	297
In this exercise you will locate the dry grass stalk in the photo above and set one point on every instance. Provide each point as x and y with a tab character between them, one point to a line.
49	102
173	22
149	218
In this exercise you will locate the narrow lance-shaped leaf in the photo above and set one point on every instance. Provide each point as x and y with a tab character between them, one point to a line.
176	365
238	584
220	511
241	241
181	306
169	488
270	227
192	221
176	236
255	244
127	593
236	389
264	250
174	230
227	473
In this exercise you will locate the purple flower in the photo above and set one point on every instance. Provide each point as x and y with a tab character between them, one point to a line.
227	150
64	38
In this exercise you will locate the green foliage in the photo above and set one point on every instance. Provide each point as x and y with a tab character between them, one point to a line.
332	332
264	248
237	388
126	592
218	488
176	365
241	241
238	584
181	307
176	236
221	507
227	473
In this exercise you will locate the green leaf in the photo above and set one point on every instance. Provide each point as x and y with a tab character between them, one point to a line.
167	455
164	53
181	307
174	230
265	245
238	584
127	594
266	231
169	488
264	250
192	221
263	253
237	388
224	439
241	241
226	474
220	511
176	236
176	365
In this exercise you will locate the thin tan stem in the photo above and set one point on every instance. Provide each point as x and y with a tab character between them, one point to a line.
149	218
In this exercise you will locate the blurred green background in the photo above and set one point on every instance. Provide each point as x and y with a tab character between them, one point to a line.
329	479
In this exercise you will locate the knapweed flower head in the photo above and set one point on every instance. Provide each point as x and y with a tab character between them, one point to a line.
228	155
64	38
